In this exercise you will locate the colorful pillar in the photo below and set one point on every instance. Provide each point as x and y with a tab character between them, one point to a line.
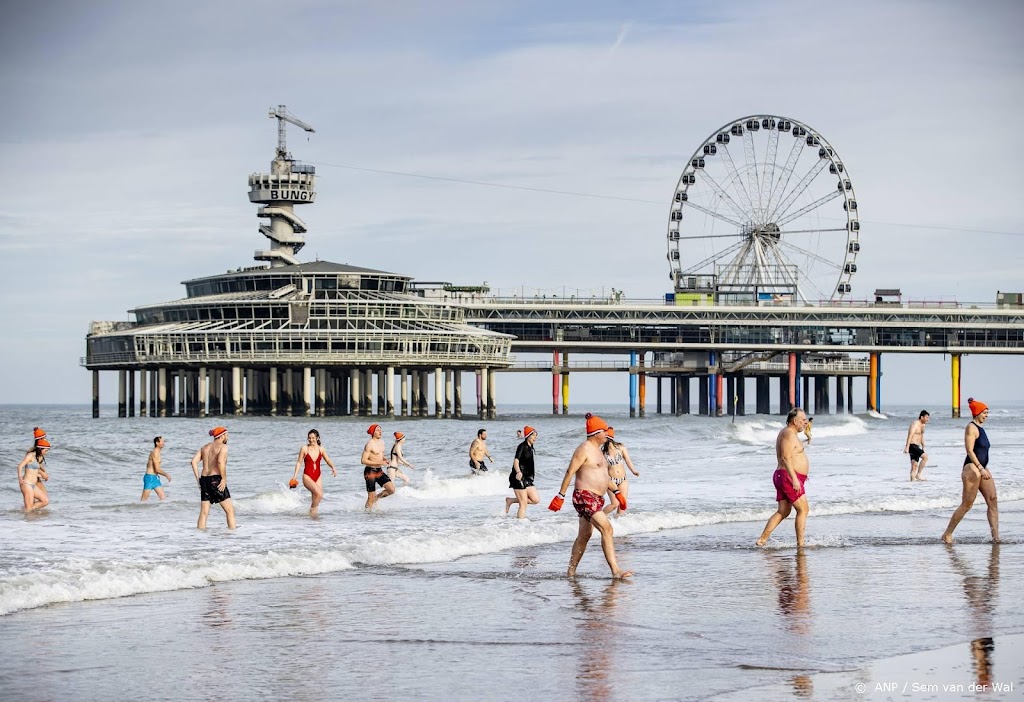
712	409
643	387
565	384
794	380
873	382
632	384
955	368
555	384
878	388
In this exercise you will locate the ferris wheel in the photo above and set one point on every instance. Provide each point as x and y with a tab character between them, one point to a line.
764	209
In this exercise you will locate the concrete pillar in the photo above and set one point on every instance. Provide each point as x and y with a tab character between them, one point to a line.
403	395
389	397
273	391
448	393
122	394
481	394
172	382
202	391
368	392
357	392
642	381
143	381
95	394
873	374
826	401
741	395
161	392
702	398
632	383
182	392
321	392
382	394
131	393
683	400
730	395
457	409
236	390
784	405
556	385
807	394
565	383
307	394
424	393
954	370
492	395
658	392
438	392
414	393
840	399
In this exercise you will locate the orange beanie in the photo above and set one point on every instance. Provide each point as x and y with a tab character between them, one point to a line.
610	432
976	406
528	431
42	443
595	424
399	436
218	431
373	428
38	433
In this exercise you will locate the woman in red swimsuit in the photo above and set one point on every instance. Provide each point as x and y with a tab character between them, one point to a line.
310	456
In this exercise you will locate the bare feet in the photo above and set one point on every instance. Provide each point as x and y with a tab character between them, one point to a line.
571	573
509	501
622	574
947	539
761	542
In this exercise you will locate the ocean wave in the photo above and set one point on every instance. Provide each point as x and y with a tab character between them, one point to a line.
432	487
84	580
760	433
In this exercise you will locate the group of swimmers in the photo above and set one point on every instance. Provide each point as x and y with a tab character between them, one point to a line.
597	467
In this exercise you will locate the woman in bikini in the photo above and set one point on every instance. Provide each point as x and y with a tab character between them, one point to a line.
397	460
618	459
309	459
976	476
31	477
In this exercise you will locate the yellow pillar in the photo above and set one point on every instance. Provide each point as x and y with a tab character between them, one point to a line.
873	382
565	383
955	368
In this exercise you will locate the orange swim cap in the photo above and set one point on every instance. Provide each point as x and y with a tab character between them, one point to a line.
38	433
399	436
610	432
218	431
976	406
373	428
42	443
595	424
528	431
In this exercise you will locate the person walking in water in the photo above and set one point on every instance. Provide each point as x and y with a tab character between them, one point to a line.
396	460
213	482
521	477
915	445
477	451
374	466
31	477
151	479
789	477
309	459
976	476
618	460
808	428
590	470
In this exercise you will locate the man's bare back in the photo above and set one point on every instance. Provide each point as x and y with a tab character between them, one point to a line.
214	457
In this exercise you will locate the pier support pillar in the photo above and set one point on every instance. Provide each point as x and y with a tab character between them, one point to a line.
250	391
492	395
404	394
481	388
122	402
702	395
714	401
438	393
273	391
131	393
425	393
721	400
307	395
368	392
565	383
632	383
416	387
658	393
289	392
236	390
642	382
955	377
382	393
741	395
321	392
143	382
840	396
203	391
806	399
784	406
389	397
730	394
849	395
95	394
873	375
357	397
793	392
448	388
555	382
457	409
172	380
161	392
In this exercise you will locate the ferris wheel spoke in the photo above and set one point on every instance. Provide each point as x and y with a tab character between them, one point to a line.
813	231
768	174
720	191
713	257
712	213
792	273
811	254
715	236
734	178
799	189
808	208
788	169
750	156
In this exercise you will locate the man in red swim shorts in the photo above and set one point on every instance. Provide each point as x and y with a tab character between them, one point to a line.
589	467
789	477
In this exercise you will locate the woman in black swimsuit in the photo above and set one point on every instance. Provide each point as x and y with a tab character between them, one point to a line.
976	475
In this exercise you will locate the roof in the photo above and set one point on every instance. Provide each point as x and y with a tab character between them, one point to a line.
310	267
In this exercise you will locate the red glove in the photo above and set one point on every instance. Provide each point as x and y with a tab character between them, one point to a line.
621	499
293	483
556	502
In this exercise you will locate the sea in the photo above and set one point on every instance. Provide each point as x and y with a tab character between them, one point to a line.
437	594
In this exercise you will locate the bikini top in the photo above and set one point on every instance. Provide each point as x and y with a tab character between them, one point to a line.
614	461
311	464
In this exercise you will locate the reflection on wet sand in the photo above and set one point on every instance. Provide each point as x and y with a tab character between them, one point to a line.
794	596
595	621
981	592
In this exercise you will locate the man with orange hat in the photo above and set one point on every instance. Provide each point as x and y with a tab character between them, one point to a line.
213	482
521	477
375	467
590	469
477	452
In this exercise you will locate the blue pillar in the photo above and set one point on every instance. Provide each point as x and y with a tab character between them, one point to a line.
632	384
712	387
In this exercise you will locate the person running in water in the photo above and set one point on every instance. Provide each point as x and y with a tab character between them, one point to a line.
617	456
397	460
915	445
309	459
477	451
213	482
31	477
789	477
976	476
151	480
521	477
374	467
590	470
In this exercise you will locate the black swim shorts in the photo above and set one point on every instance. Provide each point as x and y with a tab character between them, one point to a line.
477	466
526	482
375	477
209	492
916	452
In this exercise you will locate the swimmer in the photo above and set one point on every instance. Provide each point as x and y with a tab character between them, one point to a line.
213	482
618	459
789	477
915	445
374	466
521	477
310	456
477	451
397	459
976	476
31	477
151	480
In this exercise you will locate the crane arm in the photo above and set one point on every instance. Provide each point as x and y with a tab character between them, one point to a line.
281	113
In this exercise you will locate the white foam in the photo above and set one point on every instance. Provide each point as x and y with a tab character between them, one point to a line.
432	487
80	580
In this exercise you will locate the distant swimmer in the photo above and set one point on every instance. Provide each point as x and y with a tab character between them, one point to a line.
808	428
519	434
151	480
397	459
976	475
789	477
590	469
213	482
31	478
618	460
521	477
309	459
915	445
477	451
374	468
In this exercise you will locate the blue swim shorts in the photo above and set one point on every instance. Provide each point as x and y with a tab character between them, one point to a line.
150	481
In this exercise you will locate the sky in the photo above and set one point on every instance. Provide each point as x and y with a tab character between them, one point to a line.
130	129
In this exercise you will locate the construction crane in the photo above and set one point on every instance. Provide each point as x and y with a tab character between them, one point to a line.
281	113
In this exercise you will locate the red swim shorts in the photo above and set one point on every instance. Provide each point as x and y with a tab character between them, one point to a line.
784	486
587	503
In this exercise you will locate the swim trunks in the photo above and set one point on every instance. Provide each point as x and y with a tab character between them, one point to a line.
374	477
478	466
519	484
587	503
784	486
916	452
209	492
150	481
